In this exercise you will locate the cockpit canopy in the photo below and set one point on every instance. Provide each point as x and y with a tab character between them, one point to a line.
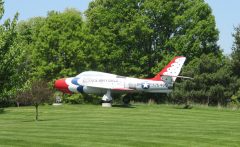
95	74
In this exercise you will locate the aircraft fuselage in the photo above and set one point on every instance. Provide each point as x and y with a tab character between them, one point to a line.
88	83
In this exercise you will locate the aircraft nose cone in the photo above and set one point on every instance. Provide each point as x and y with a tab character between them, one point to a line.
61	85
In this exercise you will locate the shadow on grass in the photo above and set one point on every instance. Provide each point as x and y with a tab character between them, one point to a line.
30	120
186	107
2	111
123	106
39	120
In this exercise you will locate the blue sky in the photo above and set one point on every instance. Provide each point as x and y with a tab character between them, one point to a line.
227	13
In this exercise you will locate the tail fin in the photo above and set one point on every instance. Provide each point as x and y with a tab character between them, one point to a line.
172	69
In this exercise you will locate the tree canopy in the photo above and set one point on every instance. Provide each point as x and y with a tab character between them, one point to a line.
37	94
213	81
236	62
11	57
55	43
139	36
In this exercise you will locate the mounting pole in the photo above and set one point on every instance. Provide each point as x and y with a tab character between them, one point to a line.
107	99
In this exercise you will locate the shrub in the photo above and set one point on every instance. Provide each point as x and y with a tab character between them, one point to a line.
1	110
73	99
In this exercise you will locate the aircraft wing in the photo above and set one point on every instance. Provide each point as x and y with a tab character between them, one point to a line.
111	87
122	89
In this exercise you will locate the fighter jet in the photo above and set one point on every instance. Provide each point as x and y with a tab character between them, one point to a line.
94	82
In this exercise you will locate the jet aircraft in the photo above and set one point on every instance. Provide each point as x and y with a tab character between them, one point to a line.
94	82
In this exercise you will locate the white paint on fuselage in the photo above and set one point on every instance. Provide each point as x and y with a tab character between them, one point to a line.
99	82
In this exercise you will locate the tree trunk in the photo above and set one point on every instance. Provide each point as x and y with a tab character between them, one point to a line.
219	104
208	100
36	106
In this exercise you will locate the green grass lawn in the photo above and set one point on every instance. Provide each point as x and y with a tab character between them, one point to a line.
141	125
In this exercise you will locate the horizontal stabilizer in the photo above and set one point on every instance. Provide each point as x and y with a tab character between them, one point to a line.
183	77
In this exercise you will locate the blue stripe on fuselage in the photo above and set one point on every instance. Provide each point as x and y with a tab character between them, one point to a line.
80	89
74	81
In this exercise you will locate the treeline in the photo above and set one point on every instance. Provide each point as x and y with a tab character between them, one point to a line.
129	38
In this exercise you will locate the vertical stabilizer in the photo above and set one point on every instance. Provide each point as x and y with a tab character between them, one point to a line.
172	69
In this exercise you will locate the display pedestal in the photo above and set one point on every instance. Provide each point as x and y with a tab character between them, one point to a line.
57	104
106	104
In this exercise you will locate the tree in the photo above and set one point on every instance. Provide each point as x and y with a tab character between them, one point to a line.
58	45
1	9
236	52
236	62
140	36
213	82
37	94
12	55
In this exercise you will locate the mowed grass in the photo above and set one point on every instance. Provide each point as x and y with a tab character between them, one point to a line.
140	125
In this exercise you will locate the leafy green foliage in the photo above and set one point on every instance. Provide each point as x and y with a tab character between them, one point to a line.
1	8
1	110
73	99
38	93
11	59
236	52
57	47
212	83
138	37
236	64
